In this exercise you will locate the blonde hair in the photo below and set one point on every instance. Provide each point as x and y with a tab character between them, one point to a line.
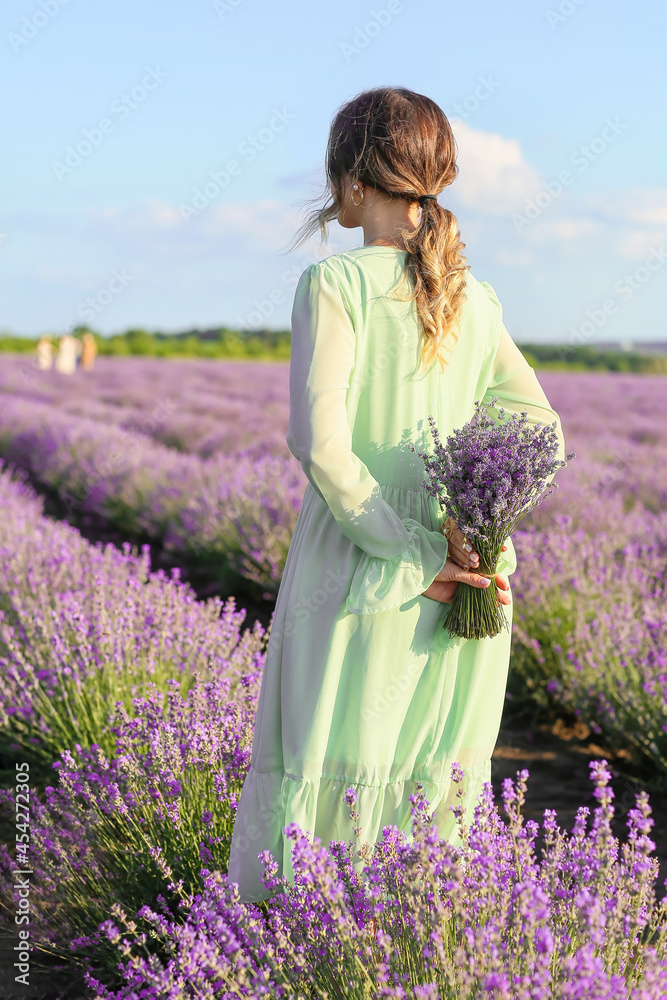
401	143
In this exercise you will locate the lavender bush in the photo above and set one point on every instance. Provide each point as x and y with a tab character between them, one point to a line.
83	627
196	406
487	476
591	632
422	920
230	510
114	825
149	698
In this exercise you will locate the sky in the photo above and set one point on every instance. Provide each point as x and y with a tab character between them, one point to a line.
158	156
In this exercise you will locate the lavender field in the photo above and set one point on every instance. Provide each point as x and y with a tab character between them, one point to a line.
133	704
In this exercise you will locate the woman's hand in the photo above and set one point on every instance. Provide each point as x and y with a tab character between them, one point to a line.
444	586
460	568
460	550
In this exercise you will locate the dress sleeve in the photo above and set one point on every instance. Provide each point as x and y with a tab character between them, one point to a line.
515	383
400	557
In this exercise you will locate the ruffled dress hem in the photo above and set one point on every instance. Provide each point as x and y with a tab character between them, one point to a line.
273	800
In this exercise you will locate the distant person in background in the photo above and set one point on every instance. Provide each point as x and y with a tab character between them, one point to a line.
67	354
88	351
44	353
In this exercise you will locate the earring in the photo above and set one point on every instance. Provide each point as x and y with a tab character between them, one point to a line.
355	187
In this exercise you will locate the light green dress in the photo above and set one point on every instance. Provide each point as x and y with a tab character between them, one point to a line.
362	686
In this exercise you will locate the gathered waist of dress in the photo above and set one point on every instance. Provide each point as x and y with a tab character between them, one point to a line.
406	501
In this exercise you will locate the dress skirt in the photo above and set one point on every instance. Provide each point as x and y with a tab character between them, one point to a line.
375	701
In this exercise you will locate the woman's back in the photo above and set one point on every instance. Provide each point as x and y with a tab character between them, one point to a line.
357	405
387	405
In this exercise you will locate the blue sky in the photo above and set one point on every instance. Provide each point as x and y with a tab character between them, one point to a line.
115	113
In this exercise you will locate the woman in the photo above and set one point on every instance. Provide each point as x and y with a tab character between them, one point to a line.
361	685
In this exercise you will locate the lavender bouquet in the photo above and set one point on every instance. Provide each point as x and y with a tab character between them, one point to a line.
488	475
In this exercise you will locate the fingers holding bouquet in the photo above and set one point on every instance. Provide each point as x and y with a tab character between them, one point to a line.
460	550
487	475
451	575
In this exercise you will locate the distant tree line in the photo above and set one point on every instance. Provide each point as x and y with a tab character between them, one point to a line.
274	345
216	343
589	358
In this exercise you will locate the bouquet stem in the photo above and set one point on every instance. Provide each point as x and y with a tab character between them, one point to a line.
476	612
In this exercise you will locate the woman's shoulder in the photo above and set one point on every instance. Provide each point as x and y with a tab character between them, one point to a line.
362	258
349	262
354	270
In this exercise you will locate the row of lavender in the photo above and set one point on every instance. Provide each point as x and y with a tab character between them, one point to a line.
612	421
202	407
207	408
230	510
149	697
590	625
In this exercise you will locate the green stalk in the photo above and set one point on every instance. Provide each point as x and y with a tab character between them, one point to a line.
475	612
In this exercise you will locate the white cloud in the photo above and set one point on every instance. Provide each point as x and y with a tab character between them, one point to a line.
150	216
646	206
264	226
564	229
637	243
494	178
513	258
